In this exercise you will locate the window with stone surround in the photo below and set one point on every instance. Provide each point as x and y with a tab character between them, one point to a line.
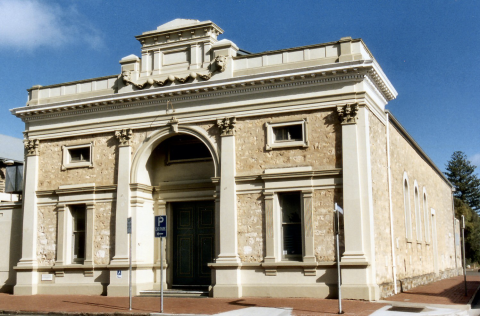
418	216
291	218
287	134
406	205
77	156
427	216
77	213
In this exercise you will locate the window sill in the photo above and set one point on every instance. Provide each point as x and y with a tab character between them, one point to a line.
286	145
86	164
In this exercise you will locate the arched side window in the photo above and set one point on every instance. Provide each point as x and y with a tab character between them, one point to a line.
406	203
427	217
418	216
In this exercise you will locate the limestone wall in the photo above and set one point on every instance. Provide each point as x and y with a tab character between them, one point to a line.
104	233
47	235
103	172
251	229
417	257
324	151
323	223
381	211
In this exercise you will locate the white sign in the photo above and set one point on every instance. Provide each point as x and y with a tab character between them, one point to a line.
119	274
47	277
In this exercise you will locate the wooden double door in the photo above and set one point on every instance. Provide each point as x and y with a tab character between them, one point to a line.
193	242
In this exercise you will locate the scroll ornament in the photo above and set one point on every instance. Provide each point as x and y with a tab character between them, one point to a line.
227	126
124	136
219	65
31	145
348	113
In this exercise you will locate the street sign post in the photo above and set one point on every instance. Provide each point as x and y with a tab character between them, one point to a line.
129	232
161	232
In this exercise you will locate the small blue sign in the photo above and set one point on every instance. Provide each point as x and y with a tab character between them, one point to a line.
161	226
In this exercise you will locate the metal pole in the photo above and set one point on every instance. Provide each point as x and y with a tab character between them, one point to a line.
464	261
130	274
161	274
338	261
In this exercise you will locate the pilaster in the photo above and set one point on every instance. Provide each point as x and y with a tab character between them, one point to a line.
354	245
61	235
357	283
123	196
27	280
89	229
227	264
307	227
269	228
228	196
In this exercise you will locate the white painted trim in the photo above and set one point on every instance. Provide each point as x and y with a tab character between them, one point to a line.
66	160
271	144
139	172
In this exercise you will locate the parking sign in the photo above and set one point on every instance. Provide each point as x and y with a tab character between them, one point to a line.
161	226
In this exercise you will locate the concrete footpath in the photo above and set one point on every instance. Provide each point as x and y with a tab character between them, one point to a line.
441	297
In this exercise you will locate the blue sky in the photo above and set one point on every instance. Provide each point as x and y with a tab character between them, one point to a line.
429	49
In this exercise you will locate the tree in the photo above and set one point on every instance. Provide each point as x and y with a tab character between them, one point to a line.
460	172
472	230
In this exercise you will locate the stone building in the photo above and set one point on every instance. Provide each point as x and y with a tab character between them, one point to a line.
246	154
11	166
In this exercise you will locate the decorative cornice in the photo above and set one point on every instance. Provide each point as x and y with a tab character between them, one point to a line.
31	145
227	126
124	136
348	113
191	92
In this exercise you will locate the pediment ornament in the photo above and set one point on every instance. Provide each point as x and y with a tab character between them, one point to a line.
219	65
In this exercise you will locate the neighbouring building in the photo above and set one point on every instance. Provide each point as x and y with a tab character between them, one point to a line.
247	155
11	184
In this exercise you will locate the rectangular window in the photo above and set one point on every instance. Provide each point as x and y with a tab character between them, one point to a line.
286	134
290	207
77	156
78	233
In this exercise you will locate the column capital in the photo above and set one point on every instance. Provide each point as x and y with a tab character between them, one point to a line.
227	126
124	137
31	145
347	113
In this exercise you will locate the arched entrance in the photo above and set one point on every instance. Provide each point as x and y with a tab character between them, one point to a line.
181	166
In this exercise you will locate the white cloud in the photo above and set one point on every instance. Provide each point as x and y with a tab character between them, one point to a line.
475	159
28	24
